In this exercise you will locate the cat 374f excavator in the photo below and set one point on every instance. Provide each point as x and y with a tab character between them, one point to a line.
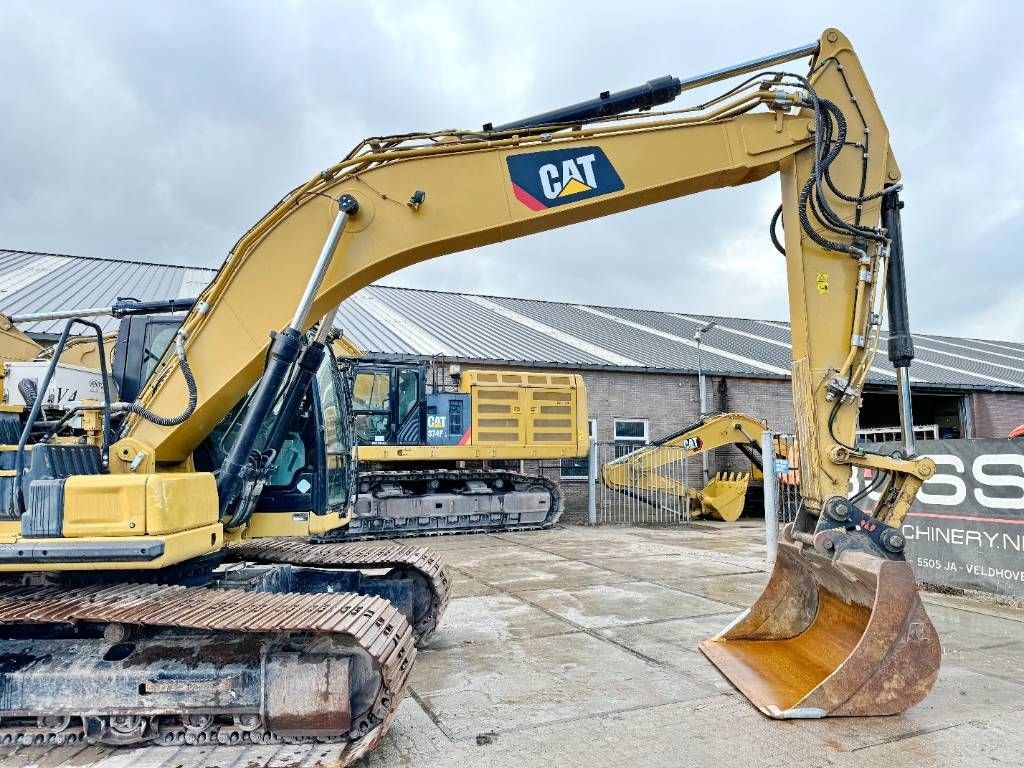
655	473
111	551
425	450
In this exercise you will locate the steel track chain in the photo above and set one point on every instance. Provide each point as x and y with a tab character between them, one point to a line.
353	556
359	531
371	623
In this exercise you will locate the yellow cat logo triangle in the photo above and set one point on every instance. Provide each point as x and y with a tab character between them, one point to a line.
574	187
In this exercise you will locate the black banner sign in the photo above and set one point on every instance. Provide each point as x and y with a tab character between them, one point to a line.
966	528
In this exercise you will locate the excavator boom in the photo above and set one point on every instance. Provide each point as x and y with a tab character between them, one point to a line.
404	199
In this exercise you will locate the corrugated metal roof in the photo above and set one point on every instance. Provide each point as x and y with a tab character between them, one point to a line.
403	321
574	335
40	282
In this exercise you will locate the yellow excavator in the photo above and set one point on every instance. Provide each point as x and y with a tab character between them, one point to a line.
288	641
425	450
655	472
131	555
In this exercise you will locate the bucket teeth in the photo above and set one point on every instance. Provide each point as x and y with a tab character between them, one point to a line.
724	496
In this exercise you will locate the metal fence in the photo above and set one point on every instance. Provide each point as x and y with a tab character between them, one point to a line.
895	434
639	494
781	485
784	475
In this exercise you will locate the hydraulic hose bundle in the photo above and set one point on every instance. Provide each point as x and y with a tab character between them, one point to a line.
190	383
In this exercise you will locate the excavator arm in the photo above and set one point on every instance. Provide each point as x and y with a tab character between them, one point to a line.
840	628
653	472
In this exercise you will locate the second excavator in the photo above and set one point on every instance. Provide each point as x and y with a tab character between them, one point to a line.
656	472
433	458
427	452
112	547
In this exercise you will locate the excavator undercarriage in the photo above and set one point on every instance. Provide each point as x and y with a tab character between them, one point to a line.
431	502
276	639
131	663
426	450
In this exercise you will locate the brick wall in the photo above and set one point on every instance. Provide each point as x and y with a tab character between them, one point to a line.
996	413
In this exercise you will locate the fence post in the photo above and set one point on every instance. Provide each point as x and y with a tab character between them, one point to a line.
592	482
771	495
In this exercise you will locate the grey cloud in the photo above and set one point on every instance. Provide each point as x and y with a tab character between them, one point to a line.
163	131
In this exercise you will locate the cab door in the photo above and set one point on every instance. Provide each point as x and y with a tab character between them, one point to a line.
411	399
388	404
373	405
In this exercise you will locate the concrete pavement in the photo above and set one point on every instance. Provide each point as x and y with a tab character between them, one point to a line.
577	647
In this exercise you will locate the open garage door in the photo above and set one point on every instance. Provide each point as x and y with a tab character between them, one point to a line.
936	415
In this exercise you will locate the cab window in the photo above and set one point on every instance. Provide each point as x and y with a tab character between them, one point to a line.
408	392
159	337
372	391
335	435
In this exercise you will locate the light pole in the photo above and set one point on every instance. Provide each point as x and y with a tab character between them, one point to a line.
698	336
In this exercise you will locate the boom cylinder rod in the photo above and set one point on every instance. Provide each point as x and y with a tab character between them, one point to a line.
348	206
901	343
35	317
747	67
284	352
119	309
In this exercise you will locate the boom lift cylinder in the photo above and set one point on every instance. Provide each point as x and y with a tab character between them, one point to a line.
283	353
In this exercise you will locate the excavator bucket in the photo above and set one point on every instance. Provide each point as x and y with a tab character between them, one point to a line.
724	495
831	637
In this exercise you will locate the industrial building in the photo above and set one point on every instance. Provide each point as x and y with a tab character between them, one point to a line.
640	365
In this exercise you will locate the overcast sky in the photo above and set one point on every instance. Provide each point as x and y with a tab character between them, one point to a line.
162	131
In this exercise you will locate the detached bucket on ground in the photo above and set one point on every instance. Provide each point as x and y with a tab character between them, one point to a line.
831	637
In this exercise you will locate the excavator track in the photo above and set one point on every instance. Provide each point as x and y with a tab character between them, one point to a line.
170	665
417	563
436	502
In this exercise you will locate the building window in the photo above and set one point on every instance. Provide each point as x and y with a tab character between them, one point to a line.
577	469
630	434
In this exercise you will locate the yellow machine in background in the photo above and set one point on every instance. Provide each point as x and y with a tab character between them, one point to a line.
120	542
15	346
654	471
427	451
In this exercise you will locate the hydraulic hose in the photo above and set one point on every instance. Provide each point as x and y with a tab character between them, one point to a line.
29	390
190	383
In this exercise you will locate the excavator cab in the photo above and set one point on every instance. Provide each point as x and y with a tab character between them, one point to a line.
312	464
389	403
392	405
